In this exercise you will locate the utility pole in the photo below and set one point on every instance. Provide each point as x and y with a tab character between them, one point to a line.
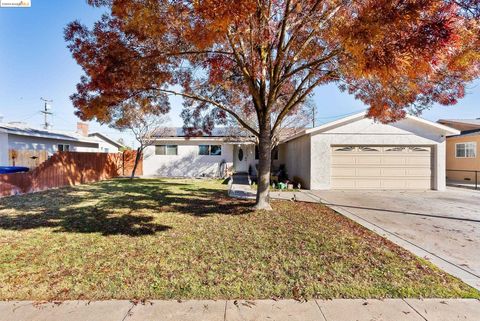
46	112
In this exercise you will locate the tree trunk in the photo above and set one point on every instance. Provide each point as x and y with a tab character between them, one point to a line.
137	159
264	165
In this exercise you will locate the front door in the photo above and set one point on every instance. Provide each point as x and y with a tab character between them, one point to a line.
240	159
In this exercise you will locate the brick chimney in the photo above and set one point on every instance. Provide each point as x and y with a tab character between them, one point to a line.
82	129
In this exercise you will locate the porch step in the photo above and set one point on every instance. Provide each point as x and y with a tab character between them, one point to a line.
239	187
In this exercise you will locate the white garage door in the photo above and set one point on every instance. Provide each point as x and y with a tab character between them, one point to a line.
385	167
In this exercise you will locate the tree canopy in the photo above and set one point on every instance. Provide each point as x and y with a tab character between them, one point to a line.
250	57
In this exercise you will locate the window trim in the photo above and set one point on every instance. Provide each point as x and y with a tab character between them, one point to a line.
166	150
465	149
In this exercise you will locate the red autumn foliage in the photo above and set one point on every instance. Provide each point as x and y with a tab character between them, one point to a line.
257	61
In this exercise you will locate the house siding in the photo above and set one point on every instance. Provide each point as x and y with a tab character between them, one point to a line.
18	142
187	163
103	145
296	155
3	149
455	163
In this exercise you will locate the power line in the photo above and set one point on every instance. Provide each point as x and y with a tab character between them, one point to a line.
344	115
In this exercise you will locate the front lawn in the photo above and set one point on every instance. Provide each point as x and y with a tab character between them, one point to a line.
184	239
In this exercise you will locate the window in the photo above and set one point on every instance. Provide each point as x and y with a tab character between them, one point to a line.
63	147
215	150
466	150
395	149
274	153
212	150
203	150
368	149
166	150
418	149
345	149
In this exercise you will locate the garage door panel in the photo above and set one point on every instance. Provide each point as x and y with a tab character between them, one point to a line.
394	184
368	183
393	172
419	160
419	184
344	171
393	160
363	167
344	160
416	172
368	172
368	160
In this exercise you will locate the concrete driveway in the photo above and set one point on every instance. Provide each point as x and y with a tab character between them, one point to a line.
443	227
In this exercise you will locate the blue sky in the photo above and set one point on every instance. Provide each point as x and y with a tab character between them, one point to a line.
34	63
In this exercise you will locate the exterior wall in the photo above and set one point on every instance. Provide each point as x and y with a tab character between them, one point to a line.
296	155
106	147
3	149
367	132
50	145
187	163
254	162
455	163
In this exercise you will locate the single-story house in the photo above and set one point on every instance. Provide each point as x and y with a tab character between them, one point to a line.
22	145
462	150
354	152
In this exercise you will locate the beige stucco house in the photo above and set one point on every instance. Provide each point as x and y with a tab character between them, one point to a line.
462	157
351	153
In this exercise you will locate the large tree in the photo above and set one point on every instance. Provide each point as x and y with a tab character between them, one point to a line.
261	59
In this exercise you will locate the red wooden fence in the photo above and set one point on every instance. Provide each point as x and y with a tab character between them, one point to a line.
70	168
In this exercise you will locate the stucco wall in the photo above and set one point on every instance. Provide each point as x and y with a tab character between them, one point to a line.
296	155
103	146
367	132
462	163
3	149
187	163
50	145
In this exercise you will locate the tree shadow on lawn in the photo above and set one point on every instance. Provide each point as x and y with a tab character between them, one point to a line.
117	207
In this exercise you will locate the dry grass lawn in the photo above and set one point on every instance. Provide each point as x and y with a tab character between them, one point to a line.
183	239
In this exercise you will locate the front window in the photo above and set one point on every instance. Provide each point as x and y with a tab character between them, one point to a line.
466	150
212	150
63	147
203	150
215	150
166	150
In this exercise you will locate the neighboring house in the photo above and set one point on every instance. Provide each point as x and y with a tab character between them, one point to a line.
107	145
351	153
23	145
462	150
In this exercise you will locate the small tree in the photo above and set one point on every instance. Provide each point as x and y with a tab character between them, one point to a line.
143	124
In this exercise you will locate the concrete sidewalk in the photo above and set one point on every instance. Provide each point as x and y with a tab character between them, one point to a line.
262	310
